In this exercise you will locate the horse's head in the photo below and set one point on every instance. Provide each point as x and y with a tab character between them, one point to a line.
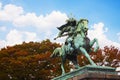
84	24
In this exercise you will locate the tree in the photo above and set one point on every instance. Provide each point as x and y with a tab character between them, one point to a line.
109	56
31	61
28	61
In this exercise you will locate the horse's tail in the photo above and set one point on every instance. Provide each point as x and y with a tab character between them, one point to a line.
56	53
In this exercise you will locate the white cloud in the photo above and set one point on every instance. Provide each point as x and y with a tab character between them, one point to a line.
2	43
14	37
9	12
45	23
50	21
16	15
30	36
48	35
0	6
19	18
118	34
17	37
2	28
98	31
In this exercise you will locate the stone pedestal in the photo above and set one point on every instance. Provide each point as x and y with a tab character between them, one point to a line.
91	73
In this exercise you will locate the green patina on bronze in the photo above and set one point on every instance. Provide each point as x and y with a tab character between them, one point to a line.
76	42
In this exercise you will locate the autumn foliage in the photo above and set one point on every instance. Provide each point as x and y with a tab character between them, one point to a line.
31	61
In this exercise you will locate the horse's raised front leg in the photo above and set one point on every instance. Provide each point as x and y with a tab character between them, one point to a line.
92	43
87	56
62	64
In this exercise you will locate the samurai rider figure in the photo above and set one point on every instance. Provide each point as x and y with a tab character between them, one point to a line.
69	28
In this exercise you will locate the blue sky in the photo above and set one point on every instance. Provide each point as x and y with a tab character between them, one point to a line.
36	20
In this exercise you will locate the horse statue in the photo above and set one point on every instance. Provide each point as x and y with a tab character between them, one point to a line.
81	44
